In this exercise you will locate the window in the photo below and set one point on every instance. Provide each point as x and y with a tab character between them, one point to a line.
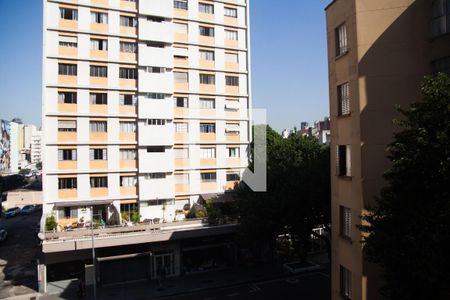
233	152
156	96
232	104
230	12
128	127
181	153
128	181
181	127
207	103
68	213
98	126
98	98
157	202
231	58
231	35
157	122
343	160
232	80
232	128
207	55
181	102
206	8
155	44
127	154
345	282
128	21
206	31
180	77
99	182
233	176
97	44
208	177
207	128
99	71
67	154
155	19
129	208
156	149
155	176
207	153
98	154
442	65
68	41
345	216
180	4
207	79
67	126
99	18
67	183
181	178
67	69
180	28
127	73
155	70
440	23
343	97
127	47
126	99
341	40
67	97
68	13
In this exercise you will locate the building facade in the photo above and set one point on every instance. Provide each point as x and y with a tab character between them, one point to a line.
36	147
378	53
145	106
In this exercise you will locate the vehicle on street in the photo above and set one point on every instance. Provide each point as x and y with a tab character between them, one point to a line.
27	209
3	235
12	212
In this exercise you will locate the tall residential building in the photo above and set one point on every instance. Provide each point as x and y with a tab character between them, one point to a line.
378	53
36	147
145	111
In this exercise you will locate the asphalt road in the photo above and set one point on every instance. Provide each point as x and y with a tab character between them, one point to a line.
310	286
18	256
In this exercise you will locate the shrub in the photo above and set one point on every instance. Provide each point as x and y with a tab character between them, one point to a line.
50	223
135	217
125	216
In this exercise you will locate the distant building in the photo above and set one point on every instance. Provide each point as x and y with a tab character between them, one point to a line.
9	147
36	147
320	130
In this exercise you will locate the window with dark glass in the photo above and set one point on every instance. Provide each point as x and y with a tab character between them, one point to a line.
98	98
207	127
67	183
127	73
99	182
99	71
206	31
67	69
67	97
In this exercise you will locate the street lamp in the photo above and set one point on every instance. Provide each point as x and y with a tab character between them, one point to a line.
93	253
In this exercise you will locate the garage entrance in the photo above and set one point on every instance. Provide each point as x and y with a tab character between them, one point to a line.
123	269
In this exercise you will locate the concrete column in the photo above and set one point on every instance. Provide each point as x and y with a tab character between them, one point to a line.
42	277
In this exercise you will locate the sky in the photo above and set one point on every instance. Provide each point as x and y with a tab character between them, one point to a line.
288	48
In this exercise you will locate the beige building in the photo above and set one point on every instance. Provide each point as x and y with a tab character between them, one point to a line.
379	52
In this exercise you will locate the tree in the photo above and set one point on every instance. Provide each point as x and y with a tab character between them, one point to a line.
408	232
297	198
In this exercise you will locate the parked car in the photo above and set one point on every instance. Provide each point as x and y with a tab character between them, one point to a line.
27	209
3	235
12	212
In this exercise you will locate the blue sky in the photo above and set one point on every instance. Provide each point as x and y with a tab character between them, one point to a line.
289	60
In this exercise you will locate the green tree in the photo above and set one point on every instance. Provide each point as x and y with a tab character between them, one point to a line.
297	198
408	232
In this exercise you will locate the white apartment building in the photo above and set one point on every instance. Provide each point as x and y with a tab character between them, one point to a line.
36	147
145	107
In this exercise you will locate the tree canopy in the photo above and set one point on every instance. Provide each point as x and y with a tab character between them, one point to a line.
298	192
408	232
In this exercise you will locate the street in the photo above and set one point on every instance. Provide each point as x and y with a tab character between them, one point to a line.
314	285
18	256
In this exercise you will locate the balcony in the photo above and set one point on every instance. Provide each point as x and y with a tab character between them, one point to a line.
153	162
155	82
156	57
160	8
156	135
154	31
156	188
155	109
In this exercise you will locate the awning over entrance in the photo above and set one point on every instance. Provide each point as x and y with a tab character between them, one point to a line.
82	203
